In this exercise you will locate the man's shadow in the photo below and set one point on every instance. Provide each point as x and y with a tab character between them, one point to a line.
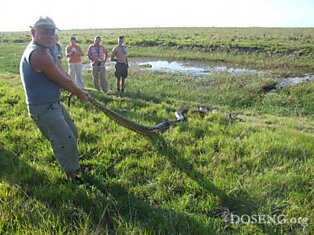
105	205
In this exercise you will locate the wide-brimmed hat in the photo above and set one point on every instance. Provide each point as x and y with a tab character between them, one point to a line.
45	22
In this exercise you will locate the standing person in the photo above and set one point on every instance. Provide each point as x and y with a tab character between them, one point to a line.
74	54
57	48
42	77
98	55
120	55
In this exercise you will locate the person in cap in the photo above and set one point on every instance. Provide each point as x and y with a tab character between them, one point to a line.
74	54
120	55
57	48
42	77
98	56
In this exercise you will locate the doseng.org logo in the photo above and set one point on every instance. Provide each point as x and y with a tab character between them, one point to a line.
264	219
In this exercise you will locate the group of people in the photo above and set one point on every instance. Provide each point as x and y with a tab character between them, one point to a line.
43	78
98	56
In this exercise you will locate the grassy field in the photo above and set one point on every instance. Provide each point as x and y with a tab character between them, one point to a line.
190	179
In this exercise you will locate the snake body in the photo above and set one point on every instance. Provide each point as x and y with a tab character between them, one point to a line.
131	125
143	129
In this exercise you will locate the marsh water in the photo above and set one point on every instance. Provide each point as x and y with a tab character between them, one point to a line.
191	67
195	68
200	69
294	80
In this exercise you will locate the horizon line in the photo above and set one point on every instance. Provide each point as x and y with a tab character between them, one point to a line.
165	27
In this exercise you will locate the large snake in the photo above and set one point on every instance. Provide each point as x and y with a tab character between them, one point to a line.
149	130
134	126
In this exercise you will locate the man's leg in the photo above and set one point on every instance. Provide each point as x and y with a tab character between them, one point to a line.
78	73
102	79
69	121
118	84
124	75
95	71
51	122
117	75
122	83
72	71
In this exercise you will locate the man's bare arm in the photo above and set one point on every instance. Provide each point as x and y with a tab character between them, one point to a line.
42	61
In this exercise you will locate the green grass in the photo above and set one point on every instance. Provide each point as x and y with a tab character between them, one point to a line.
179	182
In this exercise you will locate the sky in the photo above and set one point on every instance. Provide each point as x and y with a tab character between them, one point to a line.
18	15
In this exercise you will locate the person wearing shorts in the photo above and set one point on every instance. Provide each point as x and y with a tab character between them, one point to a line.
119	54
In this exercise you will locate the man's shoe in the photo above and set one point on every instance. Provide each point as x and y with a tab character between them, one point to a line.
78	180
